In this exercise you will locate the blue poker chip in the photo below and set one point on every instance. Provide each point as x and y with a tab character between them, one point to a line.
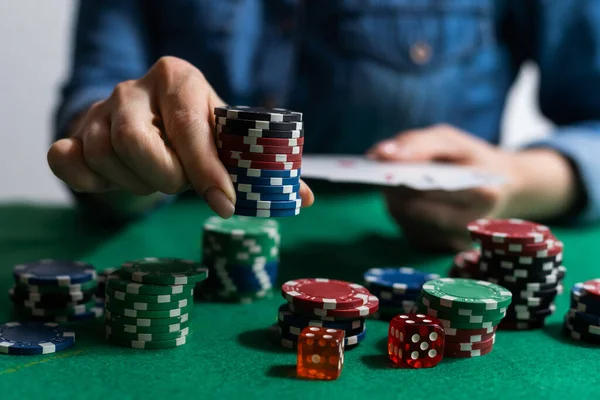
249	188
253	212
289	318
400	280
30	338
242	278
580	329
273	181
54	273
269	205
267	196
263	173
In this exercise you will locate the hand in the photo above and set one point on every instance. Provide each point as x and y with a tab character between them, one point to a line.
540	184
119	144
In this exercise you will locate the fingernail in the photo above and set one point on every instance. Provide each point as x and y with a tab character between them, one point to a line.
219	202
389	148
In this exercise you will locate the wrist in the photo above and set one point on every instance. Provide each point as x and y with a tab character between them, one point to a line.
543	185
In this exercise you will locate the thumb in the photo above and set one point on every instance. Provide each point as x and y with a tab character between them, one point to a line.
436	143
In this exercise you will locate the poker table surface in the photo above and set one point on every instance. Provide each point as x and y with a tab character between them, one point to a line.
346	232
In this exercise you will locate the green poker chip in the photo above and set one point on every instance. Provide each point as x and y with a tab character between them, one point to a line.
138	344
145	337
469	294
241	228
116	318
473	319
164	271
142	306
147	298
131	313
135	329
468	325
119	281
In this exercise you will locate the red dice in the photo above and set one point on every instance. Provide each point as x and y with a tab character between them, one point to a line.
415	341
320	353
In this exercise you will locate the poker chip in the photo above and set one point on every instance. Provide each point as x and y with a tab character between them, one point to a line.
255	124
258	113
74	309
119	281
78	287
258	141
140	314
592	287
508	231
242	256
164	271
580	330
468	353
249	188
267	165
521	325
326	294
102	278
160	344
296	320
262	173
140	298
231	156
269	205
251	212
145	322
145	337
582	301
54	273
267	196
31	338
400	280
50	300
153	306
469	336
452	347
466	293
264	181
290	341
338	314
266	133
262	149
134	329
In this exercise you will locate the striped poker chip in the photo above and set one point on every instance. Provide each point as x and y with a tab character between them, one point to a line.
263	173
363	311
246	187
264	181
327	294
269	205
272	165
267	196
508	231
251	148
468	353
246	124
261	133
399	280
231	155
54	273
274	213
248	140
258	113
31	338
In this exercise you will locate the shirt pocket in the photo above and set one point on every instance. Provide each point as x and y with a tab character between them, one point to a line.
414	35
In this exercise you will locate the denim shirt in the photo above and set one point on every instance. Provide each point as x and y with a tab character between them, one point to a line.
362	70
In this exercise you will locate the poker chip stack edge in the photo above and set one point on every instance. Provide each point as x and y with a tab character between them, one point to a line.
469	310
582	321
261	148
523	257
324	303
242	256
55	291
149	302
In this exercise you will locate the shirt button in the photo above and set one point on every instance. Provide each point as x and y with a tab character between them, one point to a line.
420	53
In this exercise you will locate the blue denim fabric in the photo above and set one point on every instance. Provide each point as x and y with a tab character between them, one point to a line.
362	70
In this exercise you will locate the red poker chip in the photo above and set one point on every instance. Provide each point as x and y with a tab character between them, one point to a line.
508	230
256	148
467	346
592	287
323	293
239	155
249	140
468	332
468	353
462	337
276	166
518	247
467	262
362	311
553	249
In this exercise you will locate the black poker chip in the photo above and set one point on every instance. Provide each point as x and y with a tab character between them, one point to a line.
258	113
250	124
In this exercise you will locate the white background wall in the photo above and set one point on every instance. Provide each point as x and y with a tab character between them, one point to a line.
34	51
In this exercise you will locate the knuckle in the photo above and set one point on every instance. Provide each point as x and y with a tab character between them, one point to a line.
127	137
122	91
96	146
184	122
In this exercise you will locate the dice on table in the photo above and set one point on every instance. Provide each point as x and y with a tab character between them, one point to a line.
320	353
416	340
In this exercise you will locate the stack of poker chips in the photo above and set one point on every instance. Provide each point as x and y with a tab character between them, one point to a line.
149	302
324	303
261	149
55	290
469	311
34	338
523	257
396	288
582	321
242	256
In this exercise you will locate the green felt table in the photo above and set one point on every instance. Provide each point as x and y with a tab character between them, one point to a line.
343	234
